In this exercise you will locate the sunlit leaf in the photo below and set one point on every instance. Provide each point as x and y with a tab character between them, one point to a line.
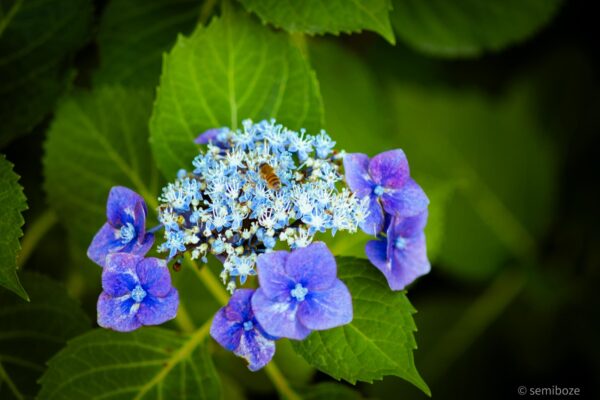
151	363
326	16
231	70
378	342
12	203
30	333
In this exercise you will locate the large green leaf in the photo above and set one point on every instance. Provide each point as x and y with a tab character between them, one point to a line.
232	70
12	203
37	39
330	391
326	16
97	140
378	342
151	363
30	333
133	36
501	160
469	27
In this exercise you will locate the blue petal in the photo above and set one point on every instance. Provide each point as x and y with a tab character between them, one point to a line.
272	276
105	241
408	264
357	175
154	276
126	206
227	332
373	224
376	251
408	227
117	313
326	309
278	318
313	266
389	169
157	310
118	264
256	349
407	201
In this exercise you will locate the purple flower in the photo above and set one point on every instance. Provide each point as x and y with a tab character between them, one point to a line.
235	328
125	229
402	256
215	136
386	180
300	292
137	291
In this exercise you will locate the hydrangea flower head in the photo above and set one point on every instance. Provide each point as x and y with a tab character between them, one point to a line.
299	292
384	180
136	291
125	229
402	255
251	189
235	328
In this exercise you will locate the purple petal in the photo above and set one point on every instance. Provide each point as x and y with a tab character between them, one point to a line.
157	310
239	308
278	318
373	224
408	264
208	136
126	206
117	313
119	264
326	309
389	169
357	175
105	241
313	266
225	331
154	276
376	251
407	201
143	247
256	349
408	227
272	276
118	284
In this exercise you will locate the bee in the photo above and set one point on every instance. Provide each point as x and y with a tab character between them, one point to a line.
268	174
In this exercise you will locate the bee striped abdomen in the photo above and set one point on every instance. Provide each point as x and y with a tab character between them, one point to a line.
268	174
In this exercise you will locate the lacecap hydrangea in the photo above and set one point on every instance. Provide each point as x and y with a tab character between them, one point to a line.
248	195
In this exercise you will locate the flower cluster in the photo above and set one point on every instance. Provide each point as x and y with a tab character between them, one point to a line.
250	192
252	189
397	215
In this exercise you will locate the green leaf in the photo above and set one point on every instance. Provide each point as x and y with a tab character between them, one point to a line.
232	70
30	333
466	28
36	43
151	363
330	391
12	203
378	342
133	36
326	16
501	160
97	140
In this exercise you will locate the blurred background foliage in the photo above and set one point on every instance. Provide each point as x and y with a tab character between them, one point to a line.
495	103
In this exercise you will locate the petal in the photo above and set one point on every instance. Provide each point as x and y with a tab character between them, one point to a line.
278	318
389	169
208	136
256	349
119	264
326	309
373	224
376	251
225	331
272	277
408	201
157	310
357	175
123	206
145	246
117	313
106	241
408	227
154	276
312	266
408	264
239	307
118	284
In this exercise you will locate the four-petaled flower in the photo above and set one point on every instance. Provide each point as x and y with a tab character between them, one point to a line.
136	291
386	180
402	255
300	292
235	328
125	229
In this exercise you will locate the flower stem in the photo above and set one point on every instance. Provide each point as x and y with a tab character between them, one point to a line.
35	232
216	289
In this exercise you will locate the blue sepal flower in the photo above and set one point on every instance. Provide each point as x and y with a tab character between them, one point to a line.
299	292
235	328
386	181
125	229
402	255
136	291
